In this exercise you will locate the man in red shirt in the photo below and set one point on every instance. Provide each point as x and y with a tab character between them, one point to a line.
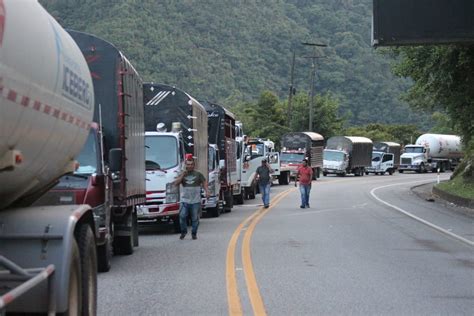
305	175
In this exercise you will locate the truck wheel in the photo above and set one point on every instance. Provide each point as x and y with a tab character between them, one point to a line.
390	171
104	255
239	199
400	171
325	173
253	192
87	250
215	211
123	245
286	178
135	233
366	173
229	201
75	286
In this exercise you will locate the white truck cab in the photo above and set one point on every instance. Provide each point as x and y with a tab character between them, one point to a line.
214	204
381	163
164	162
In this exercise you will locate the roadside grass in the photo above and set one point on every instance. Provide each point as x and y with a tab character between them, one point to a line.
458	187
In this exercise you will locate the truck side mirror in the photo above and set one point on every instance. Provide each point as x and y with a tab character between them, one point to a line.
247	158
115	159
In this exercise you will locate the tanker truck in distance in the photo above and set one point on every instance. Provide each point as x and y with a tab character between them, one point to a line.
175	126
48	260
432	152
297	146
347	154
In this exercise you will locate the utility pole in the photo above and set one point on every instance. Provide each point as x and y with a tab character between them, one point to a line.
313	74
290	96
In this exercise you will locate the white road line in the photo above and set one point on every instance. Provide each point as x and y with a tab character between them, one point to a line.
440	229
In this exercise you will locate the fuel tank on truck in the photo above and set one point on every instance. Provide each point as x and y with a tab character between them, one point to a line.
46	101
441	146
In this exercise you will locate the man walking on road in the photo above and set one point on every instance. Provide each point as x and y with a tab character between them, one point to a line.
191	182
264	182
305	175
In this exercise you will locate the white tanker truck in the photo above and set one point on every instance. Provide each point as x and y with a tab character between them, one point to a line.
430	153
47	253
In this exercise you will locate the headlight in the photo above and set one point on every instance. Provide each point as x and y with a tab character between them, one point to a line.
172	193
212	188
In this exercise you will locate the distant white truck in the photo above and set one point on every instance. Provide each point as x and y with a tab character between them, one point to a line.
432	152
385	158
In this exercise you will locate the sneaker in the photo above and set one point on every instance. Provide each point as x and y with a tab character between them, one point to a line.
301	206
195	236
182	236
307	205
267	206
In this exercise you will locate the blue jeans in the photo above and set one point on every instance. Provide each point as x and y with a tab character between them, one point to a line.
305	189
265	191
184	210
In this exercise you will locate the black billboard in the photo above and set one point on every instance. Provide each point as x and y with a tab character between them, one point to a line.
416	22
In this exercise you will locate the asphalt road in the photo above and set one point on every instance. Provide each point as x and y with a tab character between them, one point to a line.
367	246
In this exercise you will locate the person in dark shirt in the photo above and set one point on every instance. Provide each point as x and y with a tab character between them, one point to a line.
264	179
191	181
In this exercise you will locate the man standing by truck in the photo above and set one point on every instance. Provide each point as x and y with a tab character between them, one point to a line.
191	181
305	175
264	182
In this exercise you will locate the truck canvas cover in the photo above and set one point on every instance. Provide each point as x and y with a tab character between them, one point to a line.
166	104
359	149
118	95
312	143
221	130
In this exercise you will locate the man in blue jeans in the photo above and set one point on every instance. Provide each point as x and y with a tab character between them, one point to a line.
264	179
305	176
191	181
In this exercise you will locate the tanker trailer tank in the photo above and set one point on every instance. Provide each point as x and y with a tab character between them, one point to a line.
46	106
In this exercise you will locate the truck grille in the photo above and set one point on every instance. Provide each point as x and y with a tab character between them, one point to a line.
406	161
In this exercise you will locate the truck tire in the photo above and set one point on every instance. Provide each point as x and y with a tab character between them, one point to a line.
390	171
400	171
325	173
75	285
239	199
104	255
87	251
252	192
229	201
315	174
135	233
123	245
214	212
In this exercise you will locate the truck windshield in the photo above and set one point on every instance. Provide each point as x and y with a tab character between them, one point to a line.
161	152
416	150
376	156
292	157
333	155
257	150
87	159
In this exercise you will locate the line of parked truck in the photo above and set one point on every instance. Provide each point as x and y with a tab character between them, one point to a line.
88	152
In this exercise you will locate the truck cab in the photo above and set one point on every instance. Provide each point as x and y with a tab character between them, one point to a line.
291	160
381	163
164	161
335	162
254	152
413	159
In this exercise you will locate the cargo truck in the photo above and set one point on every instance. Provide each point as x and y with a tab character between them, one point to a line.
119	112
347	155
385	158
48	260
222	133
255	150
176	126
432	152
297	146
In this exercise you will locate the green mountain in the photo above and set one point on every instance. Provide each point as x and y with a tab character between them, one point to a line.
229	51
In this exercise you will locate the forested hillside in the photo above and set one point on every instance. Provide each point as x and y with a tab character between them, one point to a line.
231	51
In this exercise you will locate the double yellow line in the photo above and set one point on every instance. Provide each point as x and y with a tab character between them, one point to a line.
233	298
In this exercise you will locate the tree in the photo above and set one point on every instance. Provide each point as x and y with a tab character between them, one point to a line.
443	80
